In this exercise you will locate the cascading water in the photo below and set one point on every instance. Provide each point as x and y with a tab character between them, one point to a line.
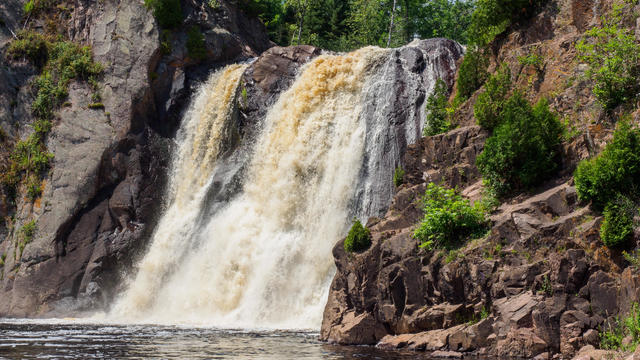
264	259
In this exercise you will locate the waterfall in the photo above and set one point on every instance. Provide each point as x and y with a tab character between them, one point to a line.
263	260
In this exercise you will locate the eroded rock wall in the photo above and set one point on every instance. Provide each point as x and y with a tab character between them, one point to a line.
541	282
104	190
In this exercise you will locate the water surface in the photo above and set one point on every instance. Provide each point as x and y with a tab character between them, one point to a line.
58	339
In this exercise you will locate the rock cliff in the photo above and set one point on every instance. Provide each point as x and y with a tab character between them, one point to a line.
541	283
102	194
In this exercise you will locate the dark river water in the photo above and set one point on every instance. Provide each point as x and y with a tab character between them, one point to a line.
44	339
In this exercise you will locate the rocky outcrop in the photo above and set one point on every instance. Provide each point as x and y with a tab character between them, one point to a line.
536	284
540	282
105	187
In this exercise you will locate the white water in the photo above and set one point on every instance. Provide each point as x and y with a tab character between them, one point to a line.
263	261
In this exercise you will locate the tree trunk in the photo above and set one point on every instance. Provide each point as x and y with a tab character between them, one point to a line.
393	14
303	10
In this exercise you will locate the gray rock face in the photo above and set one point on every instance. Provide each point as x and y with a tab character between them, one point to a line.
103	193
393	107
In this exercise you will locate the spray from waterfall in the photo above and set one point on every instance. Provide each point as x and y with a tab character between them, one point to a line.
264	260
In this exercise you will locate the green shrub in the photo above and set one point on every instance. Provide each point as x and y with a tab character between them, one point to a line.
195	44
29	45
523	150
616	170
168	13
30	156
438	121
28	230
96	106
29	6
488	107
534	60
398	176
617	228
34	188
473	72
613	56
358	239
448	219
611	335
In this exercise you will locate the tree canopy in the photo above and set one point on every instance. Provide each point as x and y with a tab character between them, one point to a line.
343	25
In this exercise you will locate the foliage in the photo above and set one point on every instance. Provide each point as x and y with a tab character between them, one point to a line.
532	59
29	156
523	150
615	170
488	107
33	7
492	17
444	18
612	335
617	228
34	188
66	61
358	239
546	287
633	258
195	44
613	56
343	25
438	118
60	62
472	72
28	230
29	45
29	6
448	219
168	13
398	176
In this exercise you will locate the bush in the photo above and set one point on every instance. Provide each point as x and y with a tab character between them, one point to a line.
612	335
34	188
358	239
534	60
195	44
613	56
398	176
31	46
448	219
168	13
437	115
615	171
28	230
492	17
523	150
488	107
617	227
473	72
